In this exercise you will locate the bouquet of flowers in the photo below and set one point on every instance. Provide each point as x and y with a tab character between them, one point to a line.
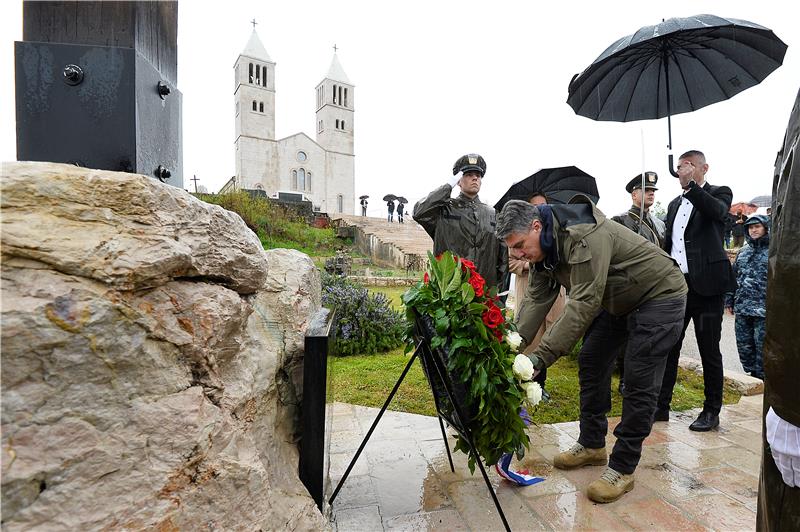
481	345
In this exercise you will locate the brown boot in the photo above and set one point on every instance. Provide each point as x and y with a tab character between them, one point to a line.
579	456
610	486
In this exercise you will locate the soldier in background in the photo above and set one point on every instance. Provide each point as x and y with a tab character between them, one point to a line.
652	229
464	225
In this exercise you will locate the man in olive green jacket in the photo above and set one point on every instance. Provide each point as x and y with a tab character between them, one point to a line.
610	273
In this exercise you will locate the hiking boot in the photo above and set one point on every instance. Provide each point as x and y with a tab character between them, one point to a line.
579	456
610	486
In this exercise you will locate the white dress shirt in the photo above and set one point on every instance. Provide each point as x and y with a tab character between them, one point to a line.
678	229
784	442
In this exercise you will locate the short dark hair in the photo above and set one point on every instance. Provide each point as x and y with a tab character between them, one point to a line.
516	217
694	153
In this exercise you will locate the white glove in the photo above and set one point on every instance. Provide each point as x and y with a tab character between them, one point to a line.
784	442
455	179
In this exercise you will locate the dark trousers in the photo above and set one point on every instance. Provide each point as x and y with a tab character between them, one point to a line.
750	343
650	332
706	313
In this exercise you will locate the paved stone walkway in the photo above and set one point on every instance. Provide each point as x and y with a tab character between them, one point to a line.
685	480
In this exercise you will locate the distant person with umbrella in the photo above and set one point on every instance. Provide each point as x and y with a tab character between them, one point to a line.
390	208
695	224
401	201
464	225
364	203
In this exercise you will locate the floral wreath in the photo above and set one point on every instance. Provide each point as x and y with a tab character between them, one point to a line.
481	346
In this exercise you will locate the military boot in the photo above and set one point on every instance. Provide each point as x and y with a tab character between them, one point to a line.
579	456
610	486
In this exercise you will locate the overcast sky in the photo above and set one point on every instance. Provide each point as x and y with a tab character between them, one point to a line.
437	79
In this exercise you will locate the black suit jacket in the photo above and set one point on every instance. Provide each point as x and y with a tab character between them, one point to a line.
710	270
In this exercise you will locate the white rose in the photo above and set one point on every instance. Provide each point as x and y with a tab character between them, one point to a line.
523	367
513	339
533	391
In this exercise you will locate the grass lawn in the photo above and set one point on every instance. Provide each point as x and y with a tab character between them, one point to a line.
367	380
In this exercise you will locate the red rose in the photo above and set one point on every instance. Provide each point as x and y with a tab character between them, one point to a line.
468	263
492	317
477	283
426	278
498	334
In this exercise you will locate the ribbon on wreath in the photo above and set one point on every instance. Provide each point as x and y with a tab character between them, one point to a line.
503	466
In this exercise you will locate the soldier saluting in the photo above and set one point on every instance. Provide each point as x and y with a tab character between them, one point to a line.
464	225
652	229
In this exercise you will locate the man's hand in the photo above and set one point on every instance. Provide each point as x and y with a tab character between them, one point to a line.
538	365
455	179
685	173
729	311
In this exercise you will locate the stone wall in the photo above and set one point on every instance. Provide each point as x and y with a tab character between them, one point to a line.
151	357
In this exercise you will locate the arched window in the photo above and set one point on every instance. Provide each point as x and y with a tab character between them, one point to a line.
264	76
334	94
261	107
342	125
258	75
308	181
339	203
340	95
319	127
301	179
345	96
294	179
337	123
251	73
255	106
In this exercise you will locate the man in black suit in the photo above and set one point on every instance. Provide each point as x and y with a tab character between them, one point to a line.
695	226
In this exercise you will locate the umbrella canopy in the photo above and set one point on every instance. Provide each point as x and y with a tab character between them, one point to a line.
762	201
678	66
747	208
389	197
365	196
401	199
558	185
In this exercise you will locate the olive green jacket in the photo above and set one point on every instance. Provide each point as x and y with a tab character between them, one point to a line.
602	265
464	227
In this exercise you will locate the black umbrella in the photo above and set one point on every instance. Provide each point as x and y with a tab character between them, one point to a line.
389	197
558	185
678	66
363	197
401	199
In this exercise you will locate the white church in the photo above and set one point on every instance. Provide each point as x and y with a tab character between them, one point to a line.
322	169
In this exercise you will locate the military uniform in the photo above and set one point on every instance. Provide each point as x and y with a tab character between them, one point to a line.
619	291
652	229
465	226
749	301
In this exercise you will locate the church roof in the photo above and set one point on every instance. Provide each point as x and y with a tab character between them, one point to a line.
336	72
255	49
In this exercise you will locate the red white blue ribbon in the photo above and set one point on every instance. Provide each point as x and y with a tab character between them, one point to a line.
521	478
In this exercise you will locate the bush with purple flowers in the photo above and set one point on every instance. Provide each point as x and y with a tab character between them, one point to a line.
367	323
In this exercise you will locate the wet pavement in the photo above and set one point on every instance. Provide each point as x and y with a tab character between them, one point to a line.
685	480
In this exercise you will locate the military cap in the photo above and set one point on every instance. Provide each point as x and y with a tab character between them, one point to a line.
650	180
470	162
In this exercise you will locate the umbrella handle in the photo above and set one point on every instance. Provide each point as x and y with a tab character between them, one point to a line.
672	166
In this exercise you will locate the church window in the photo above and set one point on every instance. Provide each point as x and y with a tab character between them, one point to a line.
251	73
308	181
264	77
255	106
237	108
301	156
339	203
337	123
301	179
294	179
345	97
334	94
258	75
319	127
261	107
340	95
342	125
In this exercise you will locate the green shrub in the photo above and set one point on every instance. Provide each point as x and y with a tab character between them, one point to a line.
276	226
366	322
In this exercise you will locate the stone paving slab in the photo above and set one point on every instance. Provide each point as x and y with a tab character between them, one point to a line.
685	480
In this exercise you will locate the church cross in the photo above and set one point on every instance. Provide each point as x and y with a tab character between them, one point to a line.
335	48
253	22
194	178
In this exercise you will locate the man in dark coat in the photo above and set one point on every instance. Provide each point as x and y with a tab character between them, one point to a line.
464	225
695	223
779	486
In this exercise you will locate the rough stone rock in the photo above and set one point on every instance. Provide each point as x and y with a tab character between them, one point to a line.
149	359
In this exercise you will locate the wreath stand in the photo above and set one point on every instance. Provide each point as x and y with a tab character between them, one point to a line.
448	406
